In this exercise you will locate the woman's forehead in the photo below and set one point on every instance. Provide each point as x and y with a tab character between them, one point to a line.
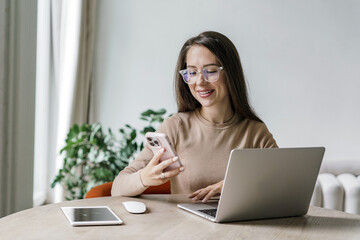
200	56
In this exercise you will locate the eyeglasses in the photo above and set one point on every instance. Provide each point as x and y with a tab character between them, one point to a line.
210	74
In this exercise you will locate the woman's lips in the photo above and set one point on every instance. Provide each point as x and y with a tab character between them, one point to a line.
205	93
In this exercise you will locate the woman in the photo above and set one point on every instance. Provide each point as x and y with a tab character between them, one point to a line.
214	117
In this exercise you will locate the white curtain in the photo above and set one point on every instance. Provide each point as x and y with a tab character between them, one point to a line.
70	51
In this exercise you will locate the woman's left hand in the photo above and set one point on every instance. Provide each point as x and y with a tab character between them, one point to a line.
205	194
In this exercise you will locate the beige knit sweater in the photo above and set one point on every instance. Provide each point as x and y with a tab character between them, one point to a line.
203	148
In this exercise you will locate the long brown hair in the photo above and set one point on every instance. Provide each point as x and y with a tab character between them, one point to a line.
228	56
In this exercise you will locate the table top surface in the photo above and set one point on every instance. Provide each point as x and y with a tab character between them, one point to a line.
164	220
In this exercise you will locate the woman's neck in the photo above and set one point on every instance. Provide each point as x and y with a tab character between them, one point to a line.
217	116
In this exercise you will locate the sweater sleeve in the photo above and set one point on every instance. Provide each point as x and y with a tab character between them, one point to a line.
262	138
128	182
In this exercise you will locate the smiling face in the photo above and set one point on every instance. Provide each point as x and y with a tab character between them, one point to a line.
211	95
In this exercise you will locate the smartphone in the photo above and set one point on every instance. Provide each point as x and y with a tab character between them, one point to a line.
156	141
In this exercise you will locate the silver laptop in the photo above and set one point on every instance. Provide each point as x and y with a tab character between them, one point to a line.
264	183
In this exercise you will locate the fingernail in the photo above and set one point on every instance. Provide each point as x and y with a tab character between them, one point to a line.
204	200
182	169
162	149
175	159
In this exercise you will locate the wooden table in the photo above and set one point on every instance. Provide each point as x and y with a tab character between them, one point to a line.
163	220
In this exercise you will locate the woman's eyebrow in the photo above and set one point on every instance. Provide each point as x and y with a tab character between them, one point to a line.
206	65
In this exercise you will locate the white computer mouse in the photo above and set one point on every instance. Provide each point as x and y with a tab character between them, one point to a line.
134	206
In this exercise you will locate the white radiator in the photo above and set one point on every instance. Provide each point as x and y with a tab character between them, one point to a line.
338	186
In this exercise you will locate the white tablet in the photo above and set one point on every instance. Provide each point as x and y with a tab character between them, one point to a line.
95	215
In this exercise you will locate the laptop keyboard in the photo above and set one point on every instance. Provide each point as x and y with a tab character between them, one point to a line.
211	212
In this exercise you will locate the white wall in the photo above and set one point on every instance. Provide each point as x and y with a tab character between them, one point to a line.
301	59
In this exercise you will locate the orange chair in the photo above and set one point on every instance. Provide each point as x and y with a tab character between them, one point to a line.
104	190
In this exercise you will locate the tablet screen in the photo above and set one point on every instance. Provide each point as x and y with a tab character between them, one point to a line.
99	215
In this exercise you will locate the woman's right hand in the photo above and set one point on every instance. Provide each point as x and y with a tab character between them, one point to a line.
153	174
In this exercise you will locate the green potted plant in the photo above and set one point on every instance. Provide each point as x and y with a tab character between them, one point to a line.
93	156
